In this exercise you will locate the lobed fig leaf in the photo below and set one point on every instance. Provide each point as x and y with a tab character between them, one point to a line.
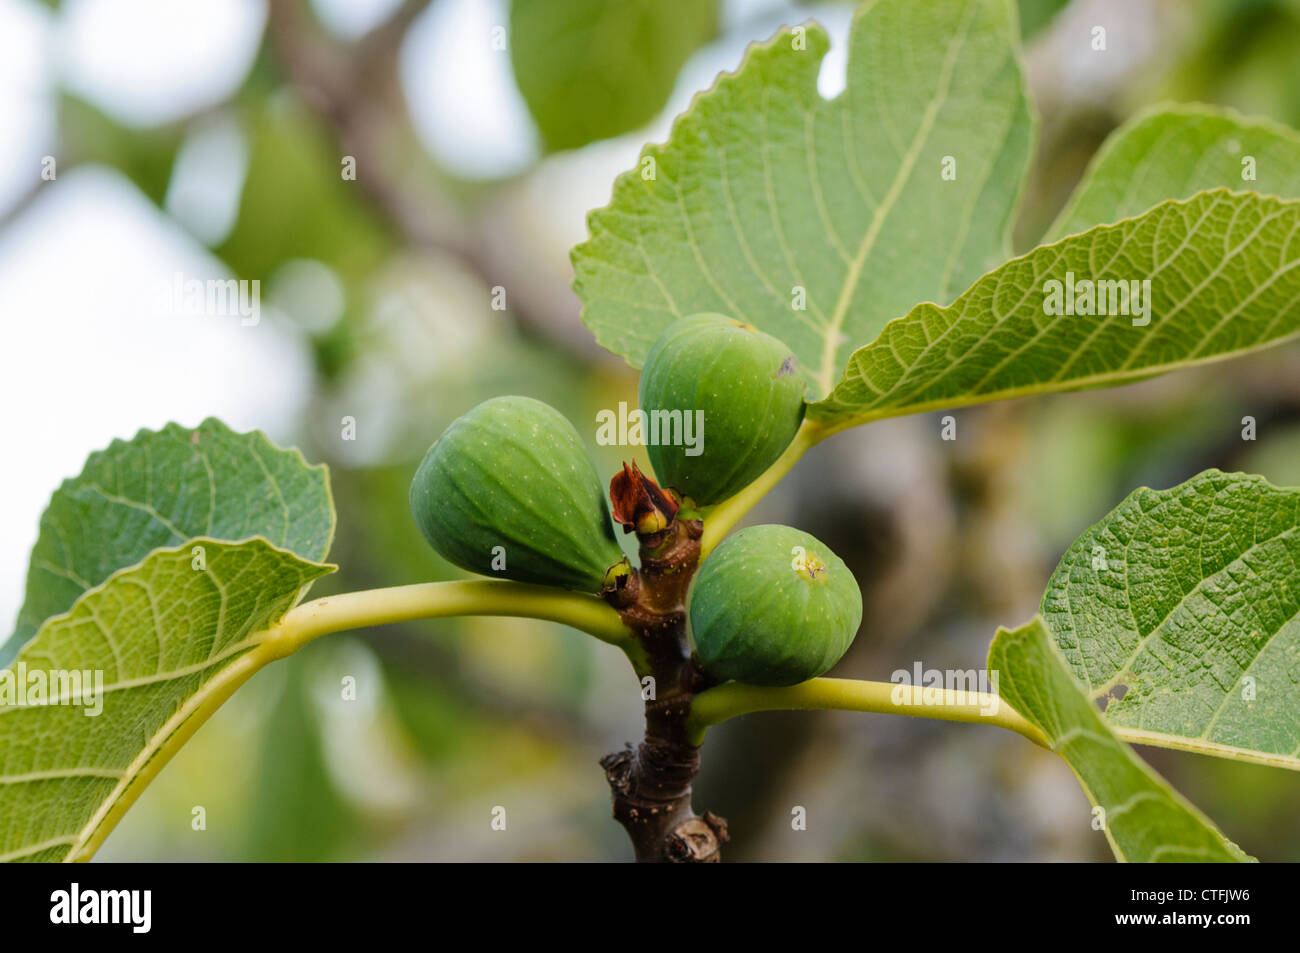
773	606
742	392
509	491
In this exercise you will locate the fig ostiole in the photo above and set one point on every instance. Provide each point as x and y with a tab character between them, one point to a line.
744	386
509	491
772	606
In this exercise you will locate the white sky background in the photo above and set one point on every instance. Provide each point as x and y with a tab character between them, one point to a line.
85	357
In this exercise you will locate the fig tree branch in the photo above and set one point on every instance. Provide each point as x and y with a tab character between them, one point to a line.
356	92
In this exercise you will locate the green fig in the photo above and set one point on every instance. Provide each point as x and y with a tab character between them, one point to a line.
508	490
772	606
740	390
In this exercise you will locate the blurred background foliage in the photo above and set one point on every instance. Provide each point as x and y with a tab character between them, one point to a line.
482	131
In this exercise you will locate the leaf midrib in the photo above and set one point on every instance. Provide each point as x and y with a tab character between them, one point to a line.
830	346
210	693
1163	739
1079	383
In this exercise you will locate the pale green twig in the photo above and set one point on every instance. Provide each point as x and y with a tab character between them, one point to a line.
727	701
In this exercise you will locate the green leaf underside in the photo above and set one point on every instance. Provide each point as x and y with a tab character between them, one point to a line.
1223	281
157	632
764	187
589	69
157	569
1145	819
160	489
1189	600
1173	152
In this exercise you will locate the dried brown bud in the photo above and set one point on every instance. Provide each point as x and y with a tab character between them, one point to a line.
639	504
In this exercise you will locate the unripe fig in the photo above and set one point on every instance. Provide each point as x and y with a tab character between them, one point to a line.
773	606
508	490
748	389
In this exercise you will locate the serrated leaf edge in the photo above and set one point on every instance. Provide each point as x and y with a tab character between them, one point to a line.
656	149
71	483
1165	108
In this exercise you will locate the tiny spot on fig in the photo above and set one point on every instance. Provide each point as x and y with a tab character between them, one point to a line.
787	367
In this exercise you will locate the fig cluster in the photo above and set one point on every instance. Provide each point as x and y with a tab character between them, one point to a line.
509	491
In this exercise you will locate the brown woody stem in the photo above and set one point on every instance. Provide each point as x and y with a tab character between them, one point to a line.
651	783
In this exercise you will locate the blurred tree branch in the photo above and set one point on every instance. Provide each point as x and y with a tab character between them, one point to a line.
356	92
